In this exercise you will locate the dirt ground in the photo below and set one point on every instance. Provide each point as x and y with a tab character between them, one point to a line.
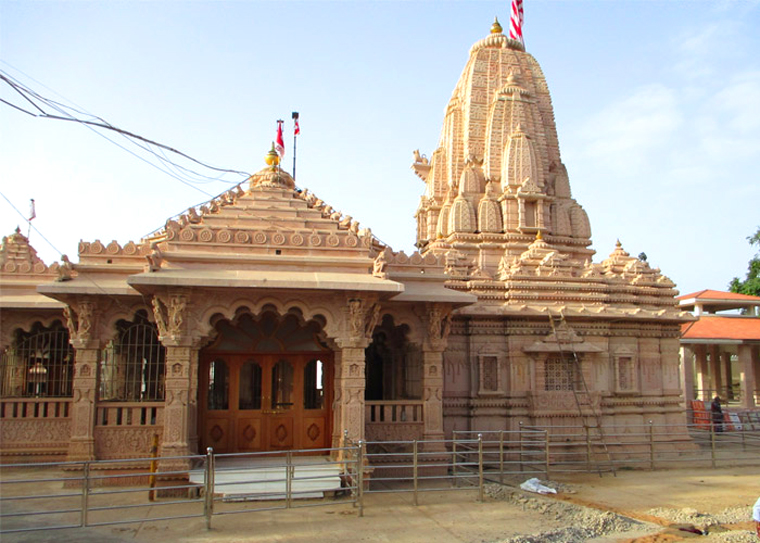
634	506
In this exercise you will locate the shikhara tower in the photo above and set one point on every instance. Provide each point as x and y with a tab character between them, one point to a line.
496	179
498	208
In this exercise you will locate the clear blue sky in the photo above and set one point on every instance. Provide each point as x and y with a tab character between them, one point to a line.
657	108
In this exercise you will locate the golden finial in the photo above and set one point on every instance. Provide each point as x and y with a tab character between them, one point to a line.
539	236
496	27
272	158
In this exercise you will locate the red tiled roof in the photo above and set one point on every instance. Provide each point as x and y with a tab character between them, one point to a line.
714	327
719	295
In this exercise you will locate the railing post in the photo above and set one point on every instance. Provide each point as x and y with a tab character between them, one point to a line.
501	456
85	494
744	441
208	503
360	478
414	469
288	480
480	467
712	444
651	445
153	468
520	441
546	453
454	460
588	447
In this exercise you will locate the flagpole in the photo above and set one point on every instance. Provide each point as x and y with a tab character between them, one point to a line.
32	216
295	136
280	144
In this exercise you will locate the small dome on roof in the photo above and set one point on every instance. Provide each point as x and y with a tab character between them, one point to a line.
272	177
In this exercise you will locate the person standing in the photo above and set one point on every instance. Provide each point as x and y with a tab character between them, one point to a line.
717	414
756	517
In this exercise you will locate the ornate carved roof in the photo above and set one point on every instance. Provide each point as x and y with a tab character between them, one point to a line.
21	270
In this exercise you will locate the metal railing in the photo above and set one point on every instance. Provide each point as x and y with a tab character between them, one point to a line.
731	395
77	494
653	446
87	494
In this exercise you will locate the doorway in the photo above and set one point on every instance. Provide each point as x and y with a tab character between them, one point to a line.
257	395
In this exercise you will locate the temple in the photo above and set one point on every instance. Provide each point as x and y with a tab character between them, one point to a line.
267	320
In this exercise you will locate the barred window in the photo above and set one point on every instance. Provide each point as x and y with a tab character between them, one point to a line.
132	368
38	363
561	373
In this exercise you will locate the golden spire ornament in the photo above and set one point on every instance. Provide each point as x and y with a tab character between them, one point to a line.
496	27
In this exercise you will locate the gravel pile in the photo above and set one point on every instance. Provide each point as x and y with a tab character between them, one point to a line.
581	523
732	515
706	521
742	536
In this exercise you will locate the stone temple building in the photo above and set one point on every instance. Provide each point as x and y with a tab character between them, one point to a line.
266	320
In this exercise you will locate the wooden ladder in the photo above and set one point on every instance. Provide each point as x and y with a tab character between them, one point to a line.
590	416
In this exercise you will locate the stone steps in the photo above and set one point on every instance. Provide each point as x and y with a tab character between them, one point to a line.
243	479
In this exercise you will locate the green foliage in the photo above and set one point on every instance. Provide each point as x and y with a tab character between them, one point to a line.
750	285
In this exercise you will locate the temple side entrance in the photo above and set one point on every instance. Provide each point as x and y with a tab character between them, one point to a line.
265	384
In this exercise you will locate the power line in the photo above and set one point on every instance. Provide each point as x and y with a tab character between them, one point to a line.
146	144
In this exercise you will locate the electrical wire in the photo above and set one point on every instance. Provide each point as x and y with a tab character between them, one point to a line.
147	145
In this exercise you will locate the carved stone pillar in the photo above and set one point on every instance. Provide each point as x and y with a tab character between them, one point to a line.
179	410
703	379
180	436
360	318
350	390
728	378
716	375
81	320
747	369
438	320
687	375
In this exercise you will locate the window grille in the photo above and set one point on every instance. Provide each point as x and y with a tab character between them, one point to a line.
38	363
132	368
561	374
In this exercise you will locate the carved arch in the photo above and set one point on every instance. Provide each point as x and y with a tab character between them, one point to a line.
307	311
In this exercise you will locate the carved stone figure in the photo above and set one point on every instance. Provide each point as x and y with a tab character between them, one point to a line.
65	269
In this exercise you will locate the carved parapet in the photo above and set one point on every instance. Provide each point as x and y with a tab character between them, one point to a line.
96	252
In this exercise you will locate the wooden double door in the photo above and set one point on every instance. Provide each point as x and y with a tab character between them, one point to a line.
265	402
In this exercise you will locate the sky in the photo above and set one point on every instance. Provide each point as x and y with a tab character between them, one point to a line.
656	105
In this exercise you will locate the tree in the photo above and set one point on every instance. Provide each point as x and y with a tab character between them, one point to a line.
751	285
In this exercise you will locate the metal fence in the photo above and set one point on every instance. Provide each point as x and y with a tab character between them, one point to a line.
651	446
87	494
110	492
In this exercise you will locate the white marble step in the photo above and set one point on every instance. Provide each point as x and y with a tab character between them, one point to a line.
241	478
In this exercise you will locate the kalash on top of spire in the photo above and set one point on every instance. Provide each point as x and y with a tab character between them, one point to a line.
496	180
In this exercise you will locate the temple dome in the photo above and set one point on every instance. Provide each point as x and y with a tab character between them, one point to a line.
272	177
499	129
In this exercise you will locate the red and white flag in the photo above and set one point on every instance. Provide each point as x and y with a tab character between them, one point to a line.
296	128
32	211
279	143
516	21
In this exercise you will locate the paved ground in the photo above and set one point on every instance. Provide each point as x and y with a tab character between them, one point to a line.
447	517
